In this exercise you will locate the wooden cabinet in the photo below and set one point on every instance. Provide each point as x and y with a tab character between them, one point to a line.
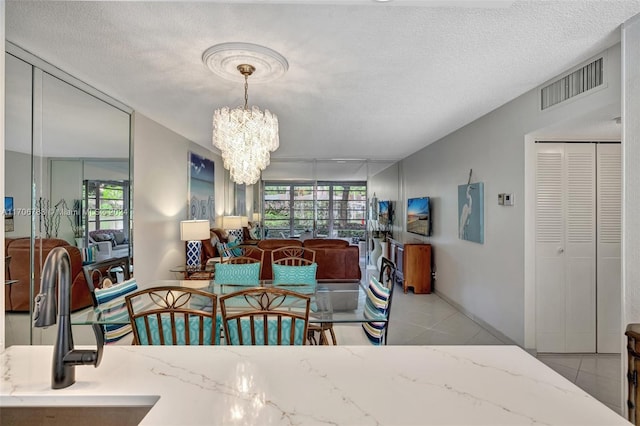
413	262
633	355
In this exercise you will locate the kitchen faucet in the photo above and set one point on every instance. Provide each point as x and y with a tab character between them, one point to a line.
57	270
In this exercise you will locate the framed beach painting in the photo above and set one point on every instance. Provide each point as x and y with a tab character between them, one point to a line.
201	188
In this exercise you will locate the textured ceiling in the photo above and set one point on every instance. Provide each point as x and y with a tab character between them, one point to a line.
366	79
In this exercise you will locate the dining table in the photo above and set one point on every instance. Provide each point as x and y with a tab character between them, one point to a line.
331	301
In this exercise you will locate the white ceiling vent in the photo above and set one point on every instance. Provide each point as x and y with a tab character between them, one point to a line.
579	81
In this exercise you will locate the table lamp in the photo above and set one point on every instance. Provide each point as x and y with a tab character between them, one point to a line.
233	225
193	232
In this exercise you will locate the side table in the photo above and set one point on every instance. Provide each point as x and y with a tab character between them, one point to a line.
198	272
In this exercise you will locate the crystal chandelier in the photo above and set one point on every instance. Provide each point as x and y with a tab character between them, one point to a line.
245	136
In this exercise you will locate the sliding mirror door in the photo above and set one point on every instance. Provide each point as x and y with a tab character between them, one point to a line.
61	140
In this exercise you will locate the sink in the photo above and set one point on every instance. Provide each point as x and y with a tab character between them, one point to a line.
75	410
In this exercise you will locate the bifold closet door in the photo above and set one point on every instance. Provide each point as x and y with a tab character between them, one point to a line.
609	236
565	247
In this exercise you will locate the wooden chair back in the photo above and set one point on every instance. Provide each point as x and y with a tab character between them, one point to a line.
96	274
250	254
173	316
265	316
293	256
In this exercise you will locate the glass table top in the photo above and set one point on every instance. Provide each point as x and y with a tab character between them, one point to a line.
331	302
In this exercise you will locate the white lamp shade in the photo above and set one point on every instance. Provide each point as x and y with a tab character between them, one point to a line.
257	217
194	230
232	222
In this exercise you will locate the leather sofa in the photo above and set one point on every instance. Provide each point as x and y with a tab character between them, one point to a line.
336	259
17	296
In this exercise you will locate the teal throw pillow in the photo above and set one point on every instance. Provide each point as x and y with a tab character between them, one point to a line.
229	249
283	274
239	274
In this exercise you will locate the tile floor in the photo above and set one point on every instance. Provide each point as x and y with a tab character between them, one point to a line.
426	319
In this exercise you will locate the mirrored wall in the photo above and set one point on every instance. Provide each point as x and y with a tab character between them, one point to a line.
67	182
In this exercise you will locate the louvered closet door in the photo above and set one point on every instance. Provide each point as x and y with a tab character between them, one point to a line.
609	233
565	248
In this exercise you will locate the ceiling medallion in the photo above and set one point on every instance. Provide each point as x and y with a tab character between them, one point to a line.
223	60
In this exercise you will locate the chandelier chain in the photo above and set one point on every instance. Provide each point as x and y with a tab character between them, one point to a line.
246	91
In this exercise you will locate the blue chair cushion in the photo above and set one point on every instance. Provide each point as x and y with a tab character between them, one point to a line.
104	295
194	330
113	311
283	274
376	308
239	274
272	331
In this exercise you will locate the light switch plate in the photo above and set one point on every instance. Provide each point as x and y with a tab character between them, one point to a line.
508	199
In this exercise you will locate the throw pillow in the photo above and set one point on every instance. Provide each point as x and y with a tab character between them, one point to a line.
284	274
375	308
119	238
254	233
238	274
229	249
102	237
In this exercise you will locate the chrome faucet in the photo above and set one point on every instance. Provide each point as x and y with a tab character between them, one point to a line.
57	270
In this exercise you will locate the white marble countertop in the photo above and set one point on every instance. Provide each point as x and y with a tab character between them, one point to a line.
348	385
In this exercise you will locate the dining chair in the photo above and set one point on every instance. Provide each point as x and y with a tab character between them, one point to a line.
171	315
265	316
377	309
283	259
250	254
99	275
381	299
293	256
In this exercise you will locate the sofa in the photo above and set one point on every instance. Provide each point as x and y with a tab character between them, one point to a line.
110	242
17	296
336	259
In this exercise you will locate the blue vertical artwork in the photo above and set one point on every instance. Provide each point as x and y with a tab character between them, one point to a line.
471	212
201	188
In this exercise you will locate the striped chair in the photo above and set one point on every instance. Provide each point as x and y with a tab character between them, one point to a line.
377	309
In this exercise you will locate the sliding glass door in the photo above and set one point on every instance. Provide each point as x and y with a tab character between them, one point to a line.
325	209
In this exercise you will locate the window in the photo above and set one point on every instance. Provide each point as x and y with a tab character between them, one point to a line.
330	209
107	203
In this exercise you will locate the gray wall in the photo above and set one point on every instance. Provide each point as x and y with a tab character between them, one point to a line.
160	197
487	280
17	184
631	157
